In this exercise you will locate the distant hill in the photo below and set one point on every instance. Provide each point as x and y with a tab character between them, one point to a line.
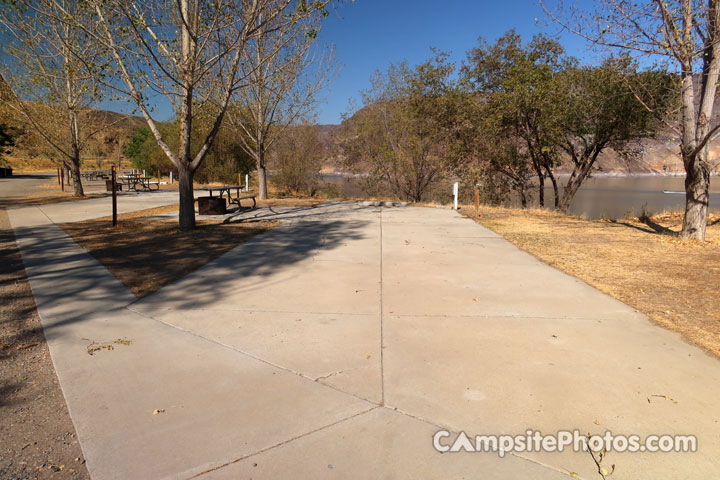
104	148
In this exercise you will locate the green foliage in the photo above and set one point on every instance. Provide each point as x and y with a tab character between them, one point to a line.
225	159
540	109
519	84
401	136
140	150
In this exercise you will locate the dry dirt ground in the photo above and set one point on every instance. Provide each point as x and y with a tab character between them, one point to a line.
38	437
146	254
641	263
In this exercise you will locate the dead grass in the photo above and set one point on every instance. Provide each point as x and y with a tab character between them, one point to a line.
146	254
643	264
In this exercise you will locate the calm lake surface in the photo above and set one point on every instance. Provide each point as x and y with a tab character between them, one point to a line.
602	196
612	197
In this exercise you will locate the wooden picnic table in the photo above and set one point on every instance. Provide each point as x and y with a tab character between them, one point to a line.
94	175
136	182
227	190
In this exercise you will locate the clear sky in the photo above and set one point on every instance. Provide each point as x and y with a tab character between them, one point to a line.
370	34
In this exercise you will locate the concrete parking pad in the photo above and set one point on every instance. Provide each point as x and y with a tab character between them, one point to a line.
337	344
377	444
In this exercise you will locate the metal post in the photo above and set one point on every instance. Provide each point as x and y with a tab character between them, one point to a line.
455	194
114	196
171	178
247	183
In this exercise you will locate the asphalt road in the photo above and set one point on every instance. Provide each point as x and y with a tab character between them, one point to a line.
23	184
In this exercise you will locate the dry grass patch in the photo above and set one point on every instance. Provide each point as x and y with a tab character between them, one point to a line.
643	264
146	254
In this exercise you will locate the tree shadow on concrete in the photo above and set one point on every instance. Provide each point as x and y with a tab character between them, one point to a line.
260	258
70	285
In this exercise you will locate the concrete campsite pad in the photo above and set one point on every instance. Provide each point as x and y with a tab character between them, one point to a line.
338	343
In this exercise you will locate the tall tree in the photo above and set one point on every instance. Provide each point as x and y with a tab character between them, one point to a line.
601	108
48	82
191	53
285	70
518	82
685	33
401	134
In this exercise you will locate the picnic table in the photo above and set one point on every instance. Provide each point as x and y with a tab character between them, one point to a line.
136	182
94	175
223	190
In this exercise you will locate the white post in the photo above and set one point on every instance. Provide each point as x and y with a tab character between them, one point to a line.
455	194
247	183
144	175
171	177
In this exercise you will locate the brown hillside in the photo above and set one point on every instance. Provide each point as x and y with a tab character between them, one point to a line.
31	152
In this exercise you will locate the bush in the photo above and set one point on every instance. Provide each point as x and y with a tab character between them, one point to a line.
296	160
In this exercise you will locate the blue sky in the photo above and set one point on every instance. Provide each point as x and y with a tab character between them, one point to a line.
371	34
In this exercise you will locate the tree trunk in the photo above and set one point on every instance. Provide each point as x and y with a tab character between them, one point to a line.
556	191
75	173
541	188
697	197
580	173
262	181
186	216
571	188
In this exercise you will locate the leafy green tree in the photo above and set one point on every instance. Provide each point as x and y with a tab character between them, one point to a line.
136	149
518	81
558	112
684	34
225	159
401	135
605	107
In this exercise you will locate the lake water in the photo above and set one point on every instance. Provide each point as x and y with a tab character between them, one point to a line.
602	196
612	197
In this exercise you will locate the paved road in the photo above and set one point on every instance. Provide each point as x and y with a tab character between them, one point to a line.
335	345
20	185
28	184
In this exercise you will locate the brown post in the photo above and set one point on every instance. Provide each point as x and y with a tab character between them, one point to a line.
62	179
114	197
58	175
240	179
477	202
